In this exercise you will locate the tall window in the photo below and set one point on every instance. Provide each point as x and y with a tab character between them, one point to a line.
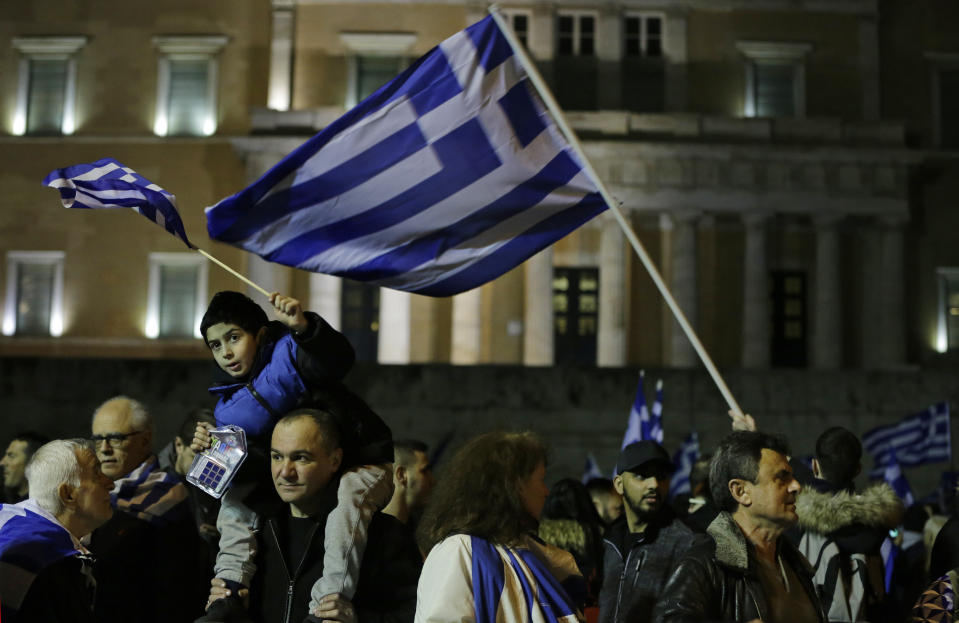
788	343
775	78
947	334
360	317
575	314
519	20
34	295
576	34
374	59
643	70
46	91
176	298
187	85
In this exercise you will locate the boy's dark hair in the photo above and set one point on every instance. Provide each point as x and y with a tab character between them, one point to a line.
188	425
404	451
738	456
233	308
839	453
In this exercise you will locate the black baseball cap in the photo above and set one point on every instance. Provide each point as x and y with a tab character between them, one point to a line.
641	452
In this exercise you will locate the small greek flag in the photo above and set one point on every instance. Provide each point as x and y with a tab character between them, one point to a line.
893	475
916	440
638	416
654	428
445	178
683	460
108	184
591	469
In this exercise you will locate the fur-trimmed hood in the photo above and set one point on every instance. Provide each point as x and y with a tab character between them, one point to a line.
877	506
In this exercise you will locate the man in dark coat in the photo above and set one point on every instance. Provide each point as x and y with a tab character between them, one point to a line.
750	570
306	458
642	549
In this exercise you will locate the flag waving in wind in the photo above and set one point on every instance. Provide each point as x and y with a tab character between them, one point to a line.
108	184
445	178
683	461
916	440
638	416
654	427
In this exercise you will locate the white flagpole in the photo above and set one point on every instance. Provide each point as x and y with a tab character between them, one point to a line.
232	272
560	118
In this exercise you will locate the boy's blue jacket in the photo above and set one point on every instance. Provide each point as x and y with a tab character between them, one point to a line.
302	370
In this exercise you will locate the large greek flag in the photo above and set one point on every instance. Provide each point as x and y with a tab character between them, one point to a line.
683	461
638	421
108	184
916	440
443	179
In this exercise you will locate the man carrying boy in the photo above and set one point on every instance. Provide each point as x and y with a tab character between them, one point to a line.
265	370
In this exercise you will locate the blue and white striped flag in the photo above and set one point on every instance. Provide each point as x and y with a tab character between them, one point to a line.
654	429
916	440
893	475
443	179
108	184
638	416
591	470
683	460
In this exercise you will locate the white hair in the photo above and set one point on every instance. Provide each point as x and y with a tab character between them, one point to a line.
140	418
53	464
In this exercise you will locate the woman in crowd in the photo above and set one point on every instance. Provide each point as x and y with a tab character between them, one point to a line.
484	564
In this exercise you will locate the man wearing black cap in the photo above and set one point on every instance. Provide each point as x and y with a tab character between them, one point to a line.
641	551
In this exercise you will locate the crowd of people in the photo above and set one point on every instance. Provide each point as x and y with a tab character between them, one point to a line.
331	519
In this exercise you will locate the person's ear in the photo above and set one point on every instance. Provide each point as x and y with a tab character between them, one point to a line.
740	492
816	468
400	474
67	494
618	483
178	445
259	334
336	459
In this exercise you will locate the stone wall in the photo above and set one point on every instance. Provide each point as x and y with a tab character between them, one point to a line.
576	410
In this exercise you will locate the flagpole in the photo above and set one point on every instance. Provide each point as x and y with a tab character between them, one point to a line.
560	118
233	272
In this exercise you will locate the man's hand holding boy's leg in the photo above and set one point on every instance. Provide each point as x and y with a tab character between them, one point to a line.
289	311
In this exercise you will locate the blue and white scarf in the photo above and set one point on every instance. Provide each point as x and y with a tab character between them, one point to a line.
30	541
150	494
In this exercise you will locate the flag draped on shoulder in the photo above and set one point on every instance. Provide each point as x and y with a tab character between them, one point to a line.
443	179
916	440
683	461
108	184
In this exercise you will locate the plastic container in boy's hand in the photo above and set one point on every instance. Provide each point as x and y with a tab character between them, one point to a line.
214	468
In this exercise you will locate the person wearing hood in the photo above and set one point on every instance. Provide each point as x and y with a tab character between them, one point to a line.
844	529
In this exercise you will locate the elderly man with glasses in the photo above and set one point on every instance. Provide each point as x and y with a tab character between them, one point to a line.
145	568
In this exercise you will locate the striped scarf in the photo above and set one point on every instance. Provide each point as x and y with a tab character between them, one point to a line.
150	494
532	584
30	541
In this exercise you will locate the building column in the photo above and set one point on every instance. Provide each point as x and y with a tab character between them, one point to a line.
755	293
871	301
467	331
611	338
609	53
827	297
325	298
280	89
893	323
683	285
869	67
538	310
393	345
675	51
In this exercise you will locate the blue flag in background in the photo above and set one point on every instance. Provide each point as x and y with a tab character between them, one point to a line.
654	429
897	480
683	460
443	179
108	184
638	416
916	440
591	470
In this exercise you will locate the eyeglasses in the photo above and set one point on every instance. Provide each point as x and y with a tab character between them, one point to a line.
114	439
